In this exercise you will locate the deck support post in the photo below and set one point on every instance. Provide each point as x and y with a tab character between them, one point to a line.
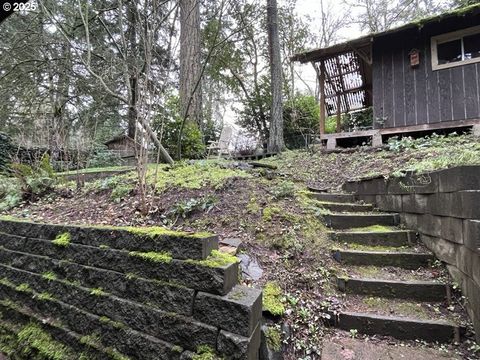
322	97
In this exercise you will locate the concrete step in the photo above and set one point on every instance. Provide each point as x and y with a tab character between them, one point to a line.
399	327
405	260
397	238
353	220
345	207
333	197
317	189
417	290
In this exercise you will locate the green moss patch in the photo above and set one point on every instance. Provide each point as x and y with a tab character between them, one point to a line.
62	240
272	294
194	176
216	259
205	352
49	275
274	338
373	228
36	338
98	292
153	256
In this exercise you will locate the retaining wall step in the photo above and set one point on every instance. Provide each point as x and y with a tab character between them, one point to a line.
163	295
396	238
110	333
15	318
345	207
169	327
405	260
192	274
400	328
180	245
417	290
331	197
238	312
347	221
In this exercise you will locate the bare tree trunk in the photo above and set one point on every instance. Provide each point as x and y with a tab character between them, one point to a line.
275	140
190	61
133	76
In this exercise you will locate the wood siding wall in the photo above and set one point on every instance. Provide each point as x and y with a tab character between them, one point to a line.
404	96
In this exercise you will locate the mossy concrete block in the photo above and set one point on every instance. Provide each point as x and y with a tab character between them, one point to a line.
15	317
218	280
459	178
239	347
170	327
127	341
238	312
179	244
166	296
471	234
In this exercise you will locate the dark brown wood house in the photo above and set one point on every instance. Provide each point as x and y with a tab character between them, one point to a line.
124	146
422	76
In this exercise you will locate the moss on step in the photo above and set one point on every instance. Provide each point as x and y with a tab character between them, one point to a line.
216	259
397	307
153	256
373	228
362	247
62	240
272	294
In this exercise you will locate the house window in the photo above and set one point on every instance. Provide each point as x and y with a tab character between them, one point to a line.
456	48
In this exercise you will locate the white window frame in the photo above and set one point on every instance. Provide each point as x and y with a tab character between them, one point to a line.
455	35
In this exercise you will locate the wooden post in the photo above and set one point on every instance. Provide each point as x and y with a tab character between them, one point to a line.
322	97
339	113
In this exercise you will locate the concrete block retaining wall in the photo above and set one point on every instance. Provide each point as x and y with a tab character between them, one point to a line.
139	294
444	208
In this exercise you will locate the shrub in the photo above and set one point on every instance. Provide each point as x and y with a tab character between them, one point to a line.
103	157
170	123
6	150
34	181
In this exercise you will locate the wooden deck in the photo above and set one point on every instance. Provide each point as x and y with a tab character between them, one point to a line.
377	134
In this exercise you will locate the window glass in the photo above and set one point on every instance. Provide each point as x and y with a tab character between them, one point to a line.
471	46
450	51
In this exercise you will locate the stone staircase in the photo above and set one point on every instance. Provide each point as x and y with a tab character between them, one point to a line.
392	284
121	293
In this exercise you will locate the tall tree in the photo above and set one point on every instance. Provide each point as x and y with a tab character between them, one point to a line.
275	140
190	61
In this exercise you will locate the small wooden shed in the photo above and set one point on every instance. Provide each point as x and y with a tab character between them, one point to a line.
124	146
422	76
